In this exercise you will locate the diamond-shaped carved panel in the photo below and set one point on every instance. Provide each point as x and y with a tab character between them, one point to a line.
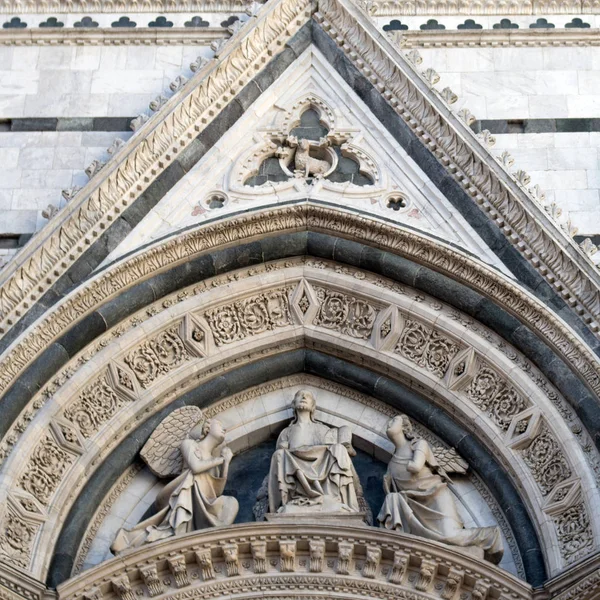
67	435
123	381
462	369
523	428
27	506
387	329
304	303
197	336
563	496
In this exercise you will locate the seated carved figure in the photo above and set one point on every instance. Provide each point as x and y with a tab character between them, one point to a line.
311	470
185	444
418	500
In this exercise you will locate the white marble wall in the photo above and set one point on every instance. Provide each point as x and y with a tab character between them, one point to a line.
119	81
536	83
70	82
566	166
88	81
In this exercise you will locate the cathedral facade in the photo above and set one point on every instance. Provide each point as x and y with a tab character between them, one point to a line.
280	317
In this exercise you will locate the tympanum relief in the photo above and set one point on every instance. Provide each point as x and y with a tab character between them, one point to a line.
311	470
191	447
311	476
418	500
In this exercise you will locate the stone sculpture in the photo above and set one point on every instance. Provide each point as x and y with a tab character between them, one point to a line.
418	500
187	445
306	165
311	470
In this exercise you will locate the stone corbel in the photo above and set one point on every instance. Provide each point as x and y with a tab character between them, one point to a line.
317	554
204	560
427	572
122	587
345	552
153	582
399	568
454	580
259	556
287	554
178	568
232	563
372	561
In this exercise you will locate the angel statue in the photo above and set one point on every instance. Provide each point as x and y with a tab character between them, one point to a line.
186	445
311	469
418	500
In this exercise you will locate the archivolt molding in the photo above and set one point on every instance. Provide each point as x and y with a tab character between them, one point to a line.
410	337
102	511
499	193
119	183
276	560
397	239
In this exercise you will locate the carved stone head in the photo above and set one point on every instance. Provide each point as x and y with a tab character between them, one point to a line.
304	400
400	424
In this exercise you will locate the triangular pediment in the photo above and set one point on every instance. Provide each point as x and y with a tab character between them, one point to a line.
257	164
461	193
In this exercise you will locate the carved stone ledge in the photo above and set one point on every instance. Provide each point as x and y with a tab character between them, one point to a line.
110	6
356	561
497	38
491	7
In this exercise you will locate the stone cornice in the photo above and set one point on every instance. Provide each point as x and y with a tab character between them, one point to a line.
16	585
499	38
107	36
296	560
110	36
500	194
112	6
475	7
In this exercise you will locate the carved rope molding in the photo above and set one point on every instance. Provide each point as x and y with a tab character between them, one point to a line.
457	148
120	183
402	566
409	244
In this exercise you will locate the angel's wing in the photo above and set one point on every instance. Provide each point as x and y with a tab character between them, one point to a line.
161	451
449	461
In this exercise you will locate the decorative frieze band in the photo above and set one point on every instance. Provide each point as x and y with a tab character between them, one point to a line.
476	7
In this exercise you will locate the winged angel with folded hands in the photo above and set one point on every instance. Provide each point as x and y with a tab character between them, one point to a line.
189	447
